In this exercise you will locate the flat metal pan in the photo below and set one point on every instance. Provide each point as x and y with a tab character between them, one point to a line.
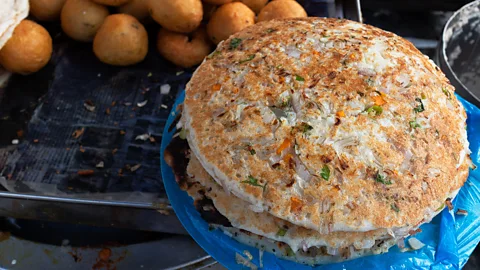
459	51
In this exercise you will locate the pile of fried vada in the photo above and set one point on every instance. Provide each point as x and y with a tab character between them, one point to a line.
190	29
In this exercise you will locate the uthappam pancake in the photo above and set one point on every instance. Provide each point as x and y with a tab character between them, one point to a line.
329	124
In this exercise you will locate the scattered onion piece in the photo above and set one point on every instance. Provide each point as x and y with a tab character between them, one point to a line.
415	243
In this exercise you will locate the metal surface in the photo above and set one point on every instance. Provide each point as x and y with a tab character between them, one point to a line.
111	248
459	51
88	214
59	138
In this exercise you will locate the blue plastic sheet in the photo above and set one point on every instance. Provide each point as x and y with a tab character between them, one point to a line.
449	239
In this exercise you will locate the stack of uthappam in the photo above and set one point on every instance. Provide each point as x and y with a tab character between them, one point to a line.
319	140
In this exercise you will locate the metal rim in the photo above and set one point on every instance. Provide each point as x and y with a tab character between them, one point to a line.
444	45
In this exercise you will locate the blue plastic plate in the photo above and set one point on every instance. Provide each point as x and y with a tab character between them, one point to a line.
449	239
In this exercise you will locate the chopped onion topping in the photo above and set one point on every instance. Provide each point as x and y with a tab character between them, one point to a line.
415	243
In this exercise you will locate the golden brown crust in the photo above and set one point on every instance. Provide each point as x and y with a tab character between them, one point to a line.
240	215
369	136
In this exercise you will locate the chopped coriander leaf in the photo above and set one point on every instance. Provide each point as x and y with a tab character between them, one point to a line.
445	91
375	108
414	124
382	179
420	107
252	152
235	42
325	173
299	78
282	232
270	30
395	207
253	182
249	58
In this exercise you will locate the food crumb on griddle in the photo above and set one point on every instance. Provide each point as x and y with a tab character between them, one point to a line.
462	212
77	133
86	172
89	105
448	202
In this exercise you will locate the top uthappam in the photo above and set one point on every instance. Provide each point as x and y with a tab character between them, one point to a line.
329	124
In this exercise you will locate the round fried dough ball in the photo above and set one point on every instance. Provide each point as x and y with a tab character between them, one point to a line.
229	19
81	19
184	50
121	41
46	10
255	5
28	50
136	8
281	9
182	16
217	2
114	3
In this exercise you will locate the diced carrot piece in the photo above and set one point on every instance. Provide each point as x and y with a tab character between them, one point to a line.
295	204
287	158
379	100
285	144
341	114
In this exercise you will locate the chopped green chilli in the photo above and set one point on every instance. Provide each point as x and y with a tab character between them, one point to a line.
299	78
250	58
414	124
375	108
395	207
445	91
213	54
290	252
183	134
281	232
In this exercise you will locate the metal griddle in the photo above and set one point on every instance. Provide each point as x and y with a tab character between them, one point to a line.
60	138
39	176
